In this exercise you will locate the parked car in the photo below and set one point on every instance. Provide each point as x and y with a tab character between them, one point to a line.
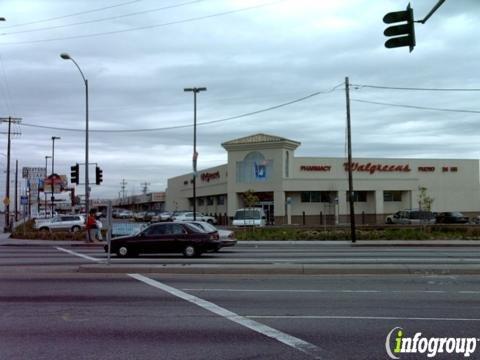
411	217
46	214
227	237
451	217
188	216
139	216
166	237
61	222
249	217
125	214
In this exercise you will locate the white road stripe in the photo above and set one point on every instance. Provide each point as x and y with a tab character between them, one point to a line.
354	317
78	254
286	339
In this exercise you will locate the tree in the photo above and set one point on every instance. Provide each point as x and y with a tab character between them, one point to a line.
424	201
249	198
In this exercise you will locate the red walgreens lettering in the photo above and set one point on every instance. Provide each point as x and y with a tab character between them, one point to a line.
370	168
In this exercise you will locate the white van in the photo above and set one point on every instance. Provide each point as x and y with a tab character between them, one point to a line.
249	217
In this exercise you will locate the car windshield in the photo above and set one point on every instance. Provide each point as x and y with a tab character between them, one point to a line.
457	214
247	214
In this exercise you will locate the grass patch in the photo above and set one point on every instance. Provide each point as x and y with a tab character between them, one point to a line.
424	233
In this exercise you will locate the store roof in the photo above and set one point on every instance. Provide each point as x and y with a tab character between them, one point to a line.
261	139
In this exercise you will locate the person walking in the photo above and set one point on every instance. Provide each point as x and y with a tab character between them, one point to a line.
91	226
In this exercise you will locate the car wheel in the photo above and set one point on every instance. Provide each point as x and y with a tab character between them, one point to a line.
190	251
123	251
389	221
44	229
75	228
210	221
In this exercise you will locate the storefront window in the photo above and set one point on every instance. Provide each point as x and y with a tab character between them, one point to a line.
221	200
209	200
287	164
201	201
392	196
358	196
315	196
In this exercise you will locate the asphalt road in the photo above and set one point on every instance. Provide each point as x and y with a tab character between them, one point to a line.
49	311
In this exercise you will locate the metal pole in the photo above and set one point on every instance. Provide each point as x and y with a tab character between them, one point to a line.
109	230
53	162
350	178
44	191
194	155
16	190
7	191
87	187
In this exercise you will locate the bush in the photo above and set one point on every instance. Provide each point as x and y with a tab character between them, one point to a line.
407	233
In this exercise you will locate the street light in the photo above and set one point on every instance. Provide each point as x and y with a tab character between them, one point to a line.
65	56
46	172
53	169
195	154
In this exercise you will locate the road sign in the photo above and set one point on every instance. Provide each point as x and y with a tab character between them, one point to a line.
23	200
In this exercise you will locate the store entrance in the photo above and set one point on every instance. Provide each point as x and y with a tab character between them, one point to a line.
265	201
267	207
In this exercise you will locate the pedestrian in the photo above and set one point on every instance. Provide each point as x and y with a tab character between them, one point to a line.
91	226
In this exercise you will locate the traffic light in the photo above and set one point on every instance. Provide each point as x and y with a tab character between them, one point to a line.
98	175
407	29
74	174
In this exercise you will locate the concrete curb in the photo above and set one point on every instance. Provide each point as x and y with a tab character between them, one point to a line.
290	269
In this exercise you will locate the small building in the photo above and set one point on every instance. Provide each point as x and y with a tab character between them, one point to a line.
293	190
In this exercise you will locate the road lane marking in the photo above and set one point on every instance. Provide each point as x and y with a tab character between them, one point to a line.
78	254
335	291
284	338
328	317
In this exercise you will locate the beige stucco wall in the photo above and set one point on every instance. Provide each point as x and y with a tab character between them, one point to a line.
451	190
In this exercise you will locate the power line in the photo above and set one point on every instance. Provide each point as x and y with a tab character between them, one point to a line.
148	26
417	107
103	19
410	88
190	125
70	15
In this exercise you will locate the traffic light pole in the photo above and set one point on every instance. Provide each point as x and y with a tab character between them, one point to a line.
435	8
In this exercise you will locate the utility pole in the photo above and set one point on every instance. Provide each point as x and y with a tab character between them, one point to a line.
6	200
145	187
350	177
124	184
16	190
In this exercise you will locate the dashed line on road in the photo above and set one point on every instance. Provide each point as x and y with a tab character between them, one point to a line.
78	254
296	343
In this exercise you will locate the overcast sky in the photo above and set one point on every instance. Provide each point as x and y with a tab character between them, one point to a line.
138	56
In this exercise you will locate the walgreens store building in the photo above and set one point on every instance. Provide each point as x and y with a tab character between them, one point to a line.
293	190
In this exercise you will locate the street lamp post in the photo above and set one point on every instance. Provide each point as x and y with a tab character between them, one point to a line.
66	56
53	169
195	90
46	172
